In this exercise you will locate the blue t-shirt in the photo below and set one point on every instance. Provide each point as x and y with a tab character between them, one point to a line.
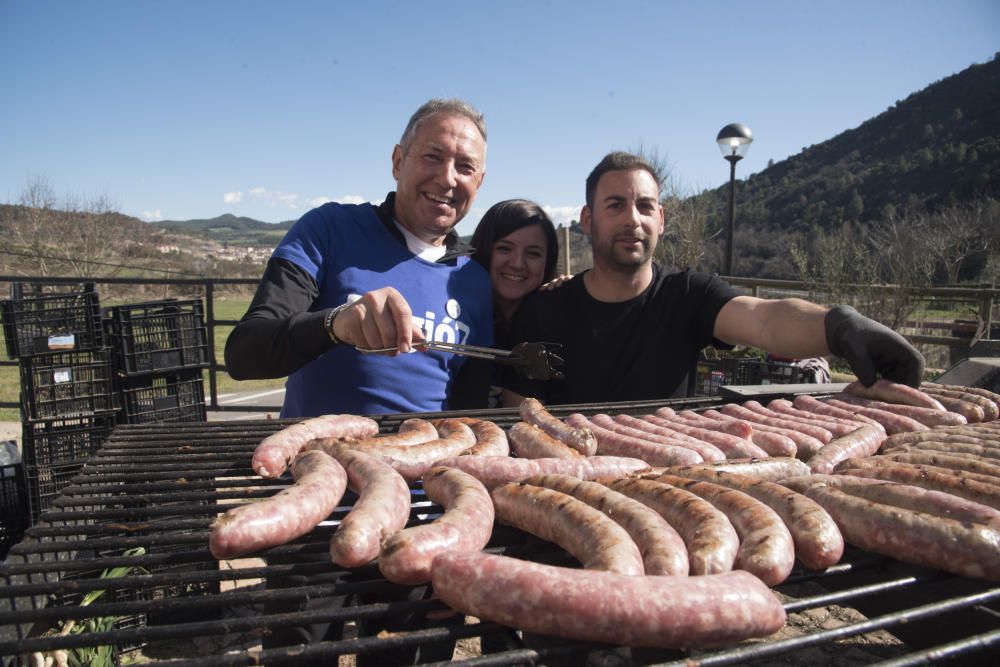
349	251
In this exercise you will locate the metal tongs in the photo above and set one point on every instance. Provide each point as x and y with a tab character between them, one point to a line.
535	361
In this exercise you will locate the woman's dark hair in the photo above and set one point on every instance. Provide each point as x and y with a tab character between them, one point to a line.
507	217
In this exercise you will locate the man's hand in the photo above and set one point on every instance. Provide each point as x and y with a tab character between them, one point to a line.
379	319
872	349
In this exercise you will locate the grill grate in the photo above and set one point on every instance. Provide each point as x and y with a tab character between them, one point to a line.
158	487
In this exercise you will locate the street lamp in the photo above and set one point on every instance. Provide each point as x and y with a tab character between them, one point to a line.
734	141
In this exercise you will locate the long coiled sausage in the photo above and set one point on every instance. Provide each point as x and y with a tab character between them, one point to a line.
319	485
709	536
490	438
466	525
766	548
276	451
818	542
382	509
586	533
659	611
662	549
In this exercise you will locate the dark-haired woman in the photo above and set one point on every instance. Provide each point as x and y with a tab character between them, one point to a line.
516	242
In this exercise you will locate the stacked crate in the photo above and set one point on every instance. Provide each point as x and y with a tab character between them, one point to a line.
711	374
160	350
68	403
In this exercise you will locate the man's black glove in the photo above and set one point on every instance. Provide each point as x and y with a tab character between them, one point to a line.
872	349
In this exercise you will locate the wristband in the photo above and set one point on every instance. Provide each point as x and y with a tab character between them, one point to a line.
328	322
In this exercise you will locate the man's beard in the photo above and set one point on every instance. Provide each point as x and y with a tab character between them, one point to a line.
616	258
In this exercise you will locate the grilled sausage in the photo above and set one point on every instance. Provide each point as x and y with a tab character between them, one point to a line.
945	435
816	406
805	445
818	542
978	492
411	461
988	407
786	421
976	391
660	611
739	428
893	392
616	444
580	439
892	422
834	425
773	442
276	451
629	425
530	442
382	509
319	485
586	533
710	538
863	441
662	549
770	469
902	495
466	525
493	471
766	548
490	438
952	462
925	416
966	475
965	549
960	449
732	446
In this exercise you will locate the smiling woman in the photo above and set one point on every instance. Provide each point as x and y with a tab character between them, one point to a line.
516	242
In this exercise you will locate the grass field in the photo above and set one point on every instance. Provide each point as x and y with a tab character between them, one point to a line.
225	309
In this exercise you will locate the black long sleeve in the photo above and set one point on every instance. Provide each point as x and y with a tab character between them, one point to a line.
278	334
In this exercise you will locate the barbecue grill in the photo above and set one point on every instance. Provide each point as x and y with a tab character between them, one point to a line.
156	488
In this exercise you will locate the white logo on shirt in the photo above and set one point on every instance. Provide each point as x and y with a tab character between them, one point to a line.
449	329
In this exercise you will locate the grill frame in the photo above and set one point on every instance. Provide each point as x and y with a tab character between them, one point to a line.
165	502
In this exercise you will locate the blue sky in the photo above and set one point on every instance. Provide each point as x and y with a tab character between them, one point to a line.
183	109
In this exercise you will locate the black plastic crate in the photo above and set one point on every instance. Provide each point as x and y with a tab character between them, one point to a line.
40	323
44	483
66	439
67	384
13	506
166	397
714	373
159	335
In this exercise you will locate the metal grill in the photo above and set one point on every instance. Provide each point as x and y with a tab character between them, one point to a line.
158	487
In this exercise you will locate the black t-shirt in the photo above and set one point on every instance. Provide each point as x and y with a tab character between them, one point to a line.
640	349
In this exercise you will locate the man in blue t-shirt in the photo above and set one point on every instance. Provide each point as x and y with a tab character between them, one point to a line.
631	330
352	277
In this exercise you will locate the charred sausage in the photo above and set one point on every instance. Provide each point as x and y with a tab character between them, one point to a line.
580	439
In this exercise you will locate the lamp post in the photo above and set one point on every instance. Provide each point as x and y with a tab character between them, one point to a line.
734	141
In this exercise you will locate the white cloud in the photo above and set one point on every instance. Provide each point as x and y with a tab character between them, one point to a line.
318	201
274	197
351	199
152	216
563	215
232	197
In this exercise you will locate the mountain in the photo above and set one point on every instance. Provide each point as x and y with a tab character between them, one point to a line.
936	148
229	229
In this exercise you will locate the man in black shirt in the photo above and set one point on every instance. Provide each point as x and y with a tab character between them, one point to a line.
630	330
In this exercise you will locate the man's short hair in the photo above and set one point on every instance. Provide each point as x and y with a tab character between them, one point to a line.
618	161
452	106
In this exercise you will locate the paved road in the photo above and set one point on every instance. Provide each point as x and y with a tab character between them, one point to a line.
258	404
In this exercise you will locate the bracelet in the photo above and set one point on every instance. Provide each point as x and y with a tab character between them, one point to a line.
328	322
